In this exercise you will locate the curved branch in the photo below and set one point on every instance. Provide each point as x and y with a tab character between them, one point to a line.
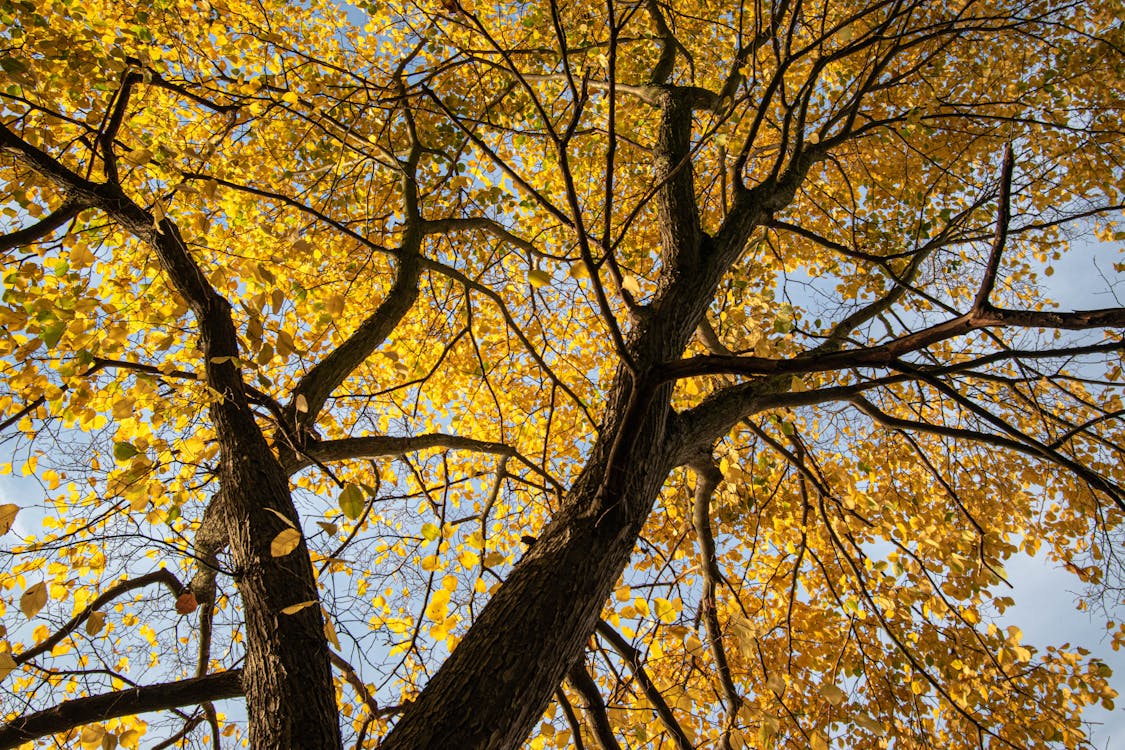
708	477
582	682
45	226
163	576
74	713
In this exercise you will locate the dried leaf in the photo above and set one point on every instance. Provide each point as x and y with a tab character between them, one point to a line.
294	608
95	622
8	513
33	600
91	735
285	542
7	664
186	603
833	694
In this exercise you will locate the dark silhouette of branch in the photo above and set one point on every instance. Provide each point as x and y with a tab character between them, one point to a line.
74	713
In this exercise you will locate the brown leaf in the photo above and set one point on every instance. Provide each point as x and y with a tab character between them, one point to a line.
186	603
33	600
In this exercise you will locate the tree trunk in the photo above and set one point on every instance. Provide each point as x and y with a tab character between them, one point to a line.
537	625
290	697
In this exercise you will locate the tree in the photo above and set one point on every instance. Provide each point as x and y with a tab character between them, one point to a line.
668	374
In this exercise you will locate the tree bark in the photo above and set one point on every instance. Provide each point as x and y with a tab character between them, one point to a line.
291	700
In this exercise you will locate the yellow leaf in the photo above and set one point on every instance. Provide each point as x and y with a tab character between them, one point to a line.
8	513
330	630
538	278
138	157
776	683
302	403
630	284
285	542
284	519
289	97
294	608
666	611
129	738
33	600
818	742
641	606
579	270
329	528
430	532
95	622
869	723
91	735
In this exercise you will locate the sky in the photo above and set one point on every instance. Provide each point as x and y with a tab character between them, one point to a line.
1046	596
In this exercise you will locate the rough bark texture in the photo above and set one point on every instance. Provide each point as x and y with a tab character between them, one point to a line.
290	698
499	680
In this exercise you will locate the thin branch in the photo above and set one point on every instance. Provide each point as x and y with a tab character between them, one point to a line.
28	235
708	477
1003	218
584	684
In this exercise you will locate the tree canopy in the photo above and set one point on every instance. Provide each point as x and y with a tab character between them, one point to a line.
652	374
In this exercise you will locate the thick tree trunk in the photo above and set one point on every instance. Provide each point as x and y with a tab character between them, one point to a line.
499	680
290	698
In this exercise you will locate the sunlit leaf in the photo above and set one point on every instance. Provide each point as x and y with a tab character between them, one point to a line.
351	501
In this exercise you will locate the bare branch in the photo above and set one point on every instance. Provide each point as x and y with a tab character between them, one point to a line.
74	713
163	576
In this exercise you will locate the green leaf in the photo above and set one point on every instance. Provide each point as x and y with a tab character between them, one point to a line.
123	451
538	278
13	66
351	501
52	332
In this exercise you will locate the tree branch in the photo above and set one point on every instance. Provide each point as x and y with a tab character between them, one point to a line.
582	682
163	576
68	210
632	657
74	713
